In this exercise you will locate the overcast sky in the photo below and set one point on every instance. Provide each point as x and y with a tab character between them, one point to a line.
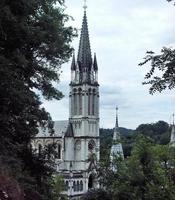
120	34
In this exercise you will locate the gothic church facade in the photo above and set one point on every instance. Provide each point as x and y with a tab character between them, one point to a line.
77	139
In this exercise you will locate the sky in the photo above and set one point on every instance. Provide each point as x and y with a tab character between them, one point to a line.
120	33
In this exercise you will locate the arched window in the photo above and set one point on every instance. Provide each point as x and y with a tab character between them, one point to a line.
74	186
80	101
49	149
39	149
93	102
81	185
75	101
77	150
91	145
67	185
78	186
59	151
89	102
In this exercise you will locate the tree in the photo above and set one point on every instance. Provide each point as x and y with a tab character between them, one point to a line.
58	186
159	131
34	42
147	174
165	64
97	195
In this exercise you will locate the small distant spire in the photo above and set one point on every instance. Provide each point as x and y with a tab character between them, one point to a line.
73	65
85	5
95	63
116	149
116	135
116	124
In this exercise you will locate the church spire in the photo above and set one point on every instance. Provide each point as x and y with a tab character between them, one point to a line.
95	65
84	53
116	135
73	65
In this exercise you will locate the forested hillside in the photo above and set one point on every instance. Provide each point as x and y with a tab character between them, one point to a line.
159	132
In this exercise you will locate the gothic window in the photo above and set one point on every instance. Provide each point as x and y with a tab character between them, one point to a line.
59	151
81	185
91	145
93	102
78	145
80	101
67	185
89	102
74	186
49	151
78	186
39	149
75	102
77	150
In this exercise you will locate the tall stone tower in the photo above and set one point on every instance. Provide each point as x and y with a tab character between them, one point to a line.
84	109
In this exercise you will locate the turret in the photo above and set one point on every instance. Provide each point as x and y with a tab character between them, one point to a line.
73	68
95	67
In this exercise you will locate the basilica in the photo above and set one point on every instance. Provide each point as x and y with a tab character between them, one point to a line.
77	139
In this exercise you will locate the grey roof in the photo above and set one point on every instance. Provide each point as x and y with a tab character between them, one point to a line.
73	65
60	128
69	132
95	63
84	54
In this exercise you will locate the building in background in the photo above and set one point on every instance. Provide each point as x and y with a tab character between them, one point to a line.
116	149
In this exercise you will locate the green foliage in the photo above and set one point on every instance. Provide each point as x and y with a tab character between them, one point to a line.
163	63
106	136
147	174
159	131
96	195
58	186
34	42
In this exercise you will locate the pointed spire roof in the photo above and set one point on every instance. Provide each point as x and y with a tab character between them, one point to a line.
95	63
116	149
69	132
73	65
116	135
84	53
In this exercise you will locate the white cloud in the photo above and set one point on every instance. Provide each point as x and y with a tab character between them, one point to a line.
120	33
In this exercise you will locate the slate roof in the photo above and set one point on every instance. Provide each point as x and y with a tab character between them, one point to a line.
60	128
69	132
84	54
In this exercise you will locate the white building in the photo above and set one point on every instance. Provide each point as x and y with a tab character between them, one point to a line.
116	149
77	139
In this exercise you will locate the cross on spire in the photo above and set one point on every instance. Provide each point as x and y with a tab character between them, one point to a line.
85	5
